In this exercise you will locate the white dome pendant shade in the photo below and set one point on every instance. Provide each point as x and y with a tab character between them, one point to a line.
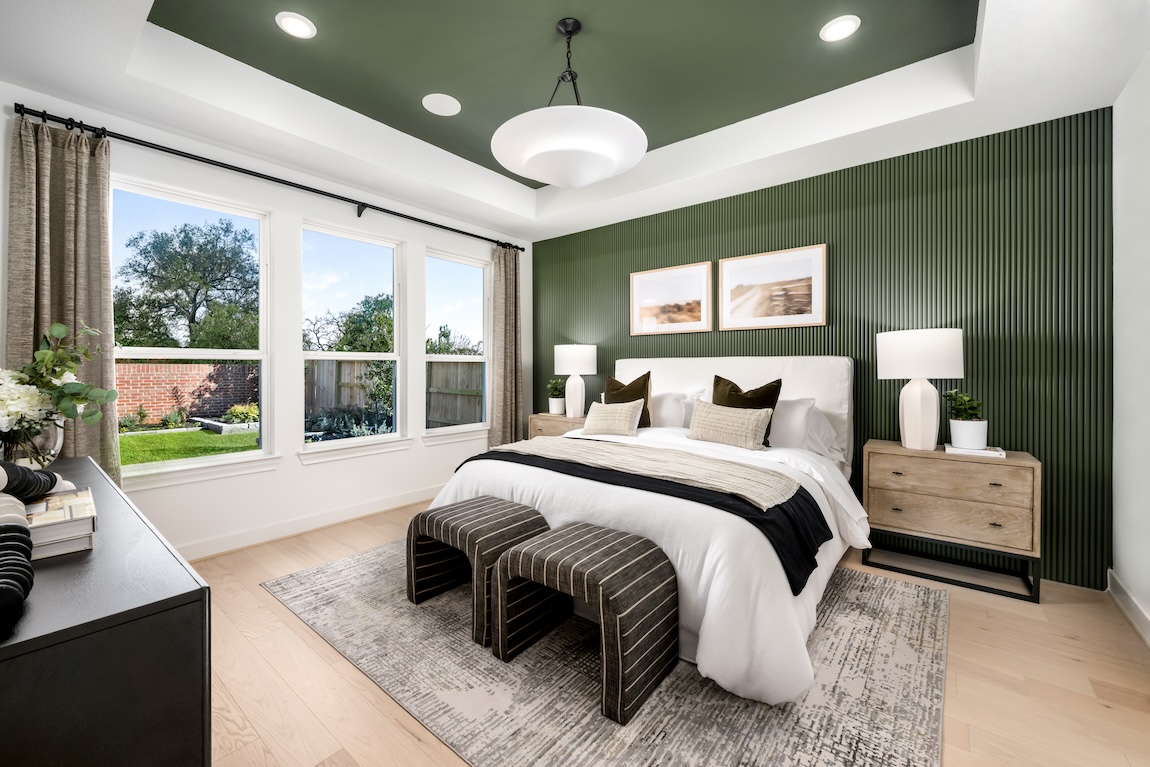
569	146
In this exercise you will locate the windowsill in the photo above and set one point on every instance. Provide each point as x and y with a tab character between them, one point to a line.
355	447
147	476
447	434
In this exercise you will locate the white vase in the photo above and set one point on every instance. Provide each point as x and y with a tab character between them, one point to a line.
556	405
968	434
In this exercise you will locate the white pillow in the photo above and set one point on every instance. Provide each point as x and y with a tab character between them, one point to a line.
667	409
789	423
619	419
821	437
689	404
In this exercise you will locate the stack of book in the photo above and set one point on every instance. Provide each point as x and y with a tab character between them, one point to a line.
61	523
989	452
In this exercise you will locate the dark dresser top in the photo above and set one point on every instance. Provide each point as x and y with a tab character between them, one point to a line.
131	572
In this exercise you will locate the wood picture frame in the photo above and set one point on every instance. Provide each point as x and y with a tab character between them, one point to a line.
674	299
780	289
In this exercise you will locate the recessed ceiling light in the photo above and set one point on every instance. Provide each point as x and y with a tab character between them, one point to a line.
295	24
840	28
441	104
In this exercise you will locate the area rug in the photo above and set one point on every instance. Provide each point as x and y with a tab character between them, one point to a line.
879	651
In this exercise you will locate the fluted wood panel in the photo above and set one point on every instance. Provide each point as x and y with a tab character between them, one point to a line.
1007	236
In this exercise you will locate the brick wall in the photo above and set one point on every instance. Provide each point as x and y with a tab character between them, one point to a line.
206	390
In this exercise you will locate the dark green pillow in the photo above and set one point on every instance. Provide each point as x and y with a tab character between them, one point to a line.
617	391
729	394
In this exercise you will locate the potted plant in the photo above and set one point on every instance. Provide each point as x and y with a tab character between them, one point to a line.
967	426
556	402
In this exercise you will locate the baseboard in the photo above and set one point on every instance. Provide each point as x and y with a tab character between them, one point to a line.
1128	603
210	547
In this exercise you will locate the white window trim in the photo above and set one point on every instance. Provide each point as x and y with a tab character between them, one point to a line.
440	435
142	476
353	447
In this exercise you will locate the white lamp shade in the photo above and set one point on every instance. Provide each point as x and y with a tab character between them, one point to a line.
569	146
575	359
928	353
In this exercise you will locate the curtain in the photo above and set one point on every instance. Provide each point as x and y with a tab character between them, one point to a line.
59	262
506	355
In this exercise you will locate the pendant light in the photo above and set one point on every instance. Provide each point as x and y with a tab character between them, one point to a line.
569	146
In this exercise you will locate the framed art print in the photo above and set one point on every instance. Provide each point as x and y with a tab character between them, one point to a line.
783	289
676	299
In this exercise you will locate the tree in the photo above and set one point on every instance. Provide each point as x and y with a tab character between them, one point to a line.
184	273
448	342
227	326
369	327
139	320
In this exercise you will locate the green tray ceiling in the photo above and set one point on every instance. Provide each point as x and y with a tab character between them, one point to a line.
679	68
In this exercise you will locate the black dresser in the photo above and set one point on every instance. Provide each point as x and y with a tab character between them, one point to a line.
110	663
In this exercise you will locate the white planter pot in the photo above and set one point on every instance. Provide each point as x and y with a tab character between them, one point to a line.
556	405
968	434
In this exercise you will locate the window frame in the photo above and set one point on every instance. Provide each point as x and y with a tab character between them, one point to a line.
444	432
313	452
216	463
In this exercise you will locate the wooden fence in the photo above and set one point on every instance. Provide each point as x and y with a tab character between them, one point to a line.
454	389
454	393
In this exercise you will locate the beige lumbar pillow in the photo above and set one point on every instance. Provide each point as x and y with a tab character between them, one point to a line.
738	426
621	420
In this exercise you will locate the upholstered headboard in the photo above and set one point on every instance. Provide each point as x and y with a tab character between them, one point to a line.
828	380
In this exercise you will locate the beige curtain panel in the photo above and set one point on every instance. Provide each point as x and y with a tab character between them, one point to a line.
506	357
60	263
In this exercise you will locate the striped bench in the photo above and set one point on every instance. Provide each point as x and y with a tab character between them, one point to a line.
454	544
626	577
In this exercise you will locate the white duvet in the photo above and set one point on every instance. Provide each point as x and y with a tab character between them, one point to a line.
738	620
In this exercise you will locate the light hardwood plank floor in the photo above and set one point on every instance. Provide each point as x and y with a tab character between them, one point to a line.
1063	683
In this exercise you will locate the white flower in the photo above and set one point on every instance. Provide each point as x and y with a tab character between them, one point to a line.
23	406
68	377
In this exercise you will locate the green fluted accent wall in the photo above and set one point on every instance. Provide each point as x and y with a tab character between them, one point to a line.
1008	237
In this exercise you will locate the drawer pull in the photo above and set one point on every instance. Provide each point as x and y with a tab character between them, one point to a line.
895	508
996	484
995	524
897	473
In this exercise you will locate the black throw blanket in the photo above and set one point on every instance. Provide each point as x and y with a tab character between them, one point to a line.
795	528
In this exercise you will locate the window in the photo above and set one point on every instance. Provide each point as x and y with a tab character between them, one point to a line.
189	352
349	337
456	352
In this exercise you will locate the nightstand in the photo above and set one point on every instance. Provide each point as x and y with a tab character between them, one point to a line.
971	503
545	425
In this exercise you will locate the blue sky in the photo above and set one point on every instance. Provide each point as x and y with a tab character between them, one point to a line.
337	271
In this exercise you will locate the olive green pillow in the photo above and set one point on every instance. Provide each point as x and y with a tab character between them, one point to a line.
729	394
617	392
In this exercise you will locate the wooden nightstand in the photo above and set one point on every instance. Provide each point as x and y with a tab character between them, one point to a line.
545	425
985	505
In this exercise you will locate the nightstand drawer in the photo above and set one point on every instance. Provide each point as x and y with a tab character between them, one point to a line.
545	425
983	482
980	523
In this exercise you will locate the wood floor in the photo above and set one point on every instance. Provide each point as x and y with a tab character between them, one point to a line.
1061	684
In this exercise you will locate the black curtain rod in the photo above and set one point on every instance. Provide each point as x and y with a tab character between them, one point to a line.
360	207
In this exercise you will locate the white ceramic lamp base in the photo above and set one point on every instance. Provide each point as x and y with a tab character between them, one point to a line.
918	415
576	394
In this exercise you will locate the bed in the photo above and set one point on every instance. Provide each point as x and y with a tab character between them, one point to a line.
739	621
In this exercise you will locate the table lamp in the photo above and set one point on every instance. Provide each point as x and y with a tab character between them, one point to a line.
919	355
573	361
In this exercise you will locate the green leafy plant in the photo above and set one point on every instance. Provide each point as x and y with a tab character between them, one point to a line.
53	371
247	413
129	423
960	406
141	414
555	388
175	419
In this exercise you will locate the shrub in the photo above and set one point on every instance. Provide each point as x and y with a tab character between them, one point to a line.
141	414
248	413
129	423
346	421
175	419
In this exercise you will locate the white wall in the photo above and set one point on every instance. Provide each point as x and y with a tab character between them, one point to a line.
206	511
1130	578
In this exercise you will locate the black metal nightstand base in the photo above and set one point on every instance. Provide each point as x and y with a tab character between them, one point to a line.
1029	569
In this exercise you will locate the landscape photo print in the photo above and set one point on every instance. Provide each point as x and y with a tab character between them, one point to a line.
676	299
783	289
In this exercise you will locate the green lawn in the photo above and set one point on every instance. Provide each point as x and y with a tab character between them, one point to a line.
168	446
